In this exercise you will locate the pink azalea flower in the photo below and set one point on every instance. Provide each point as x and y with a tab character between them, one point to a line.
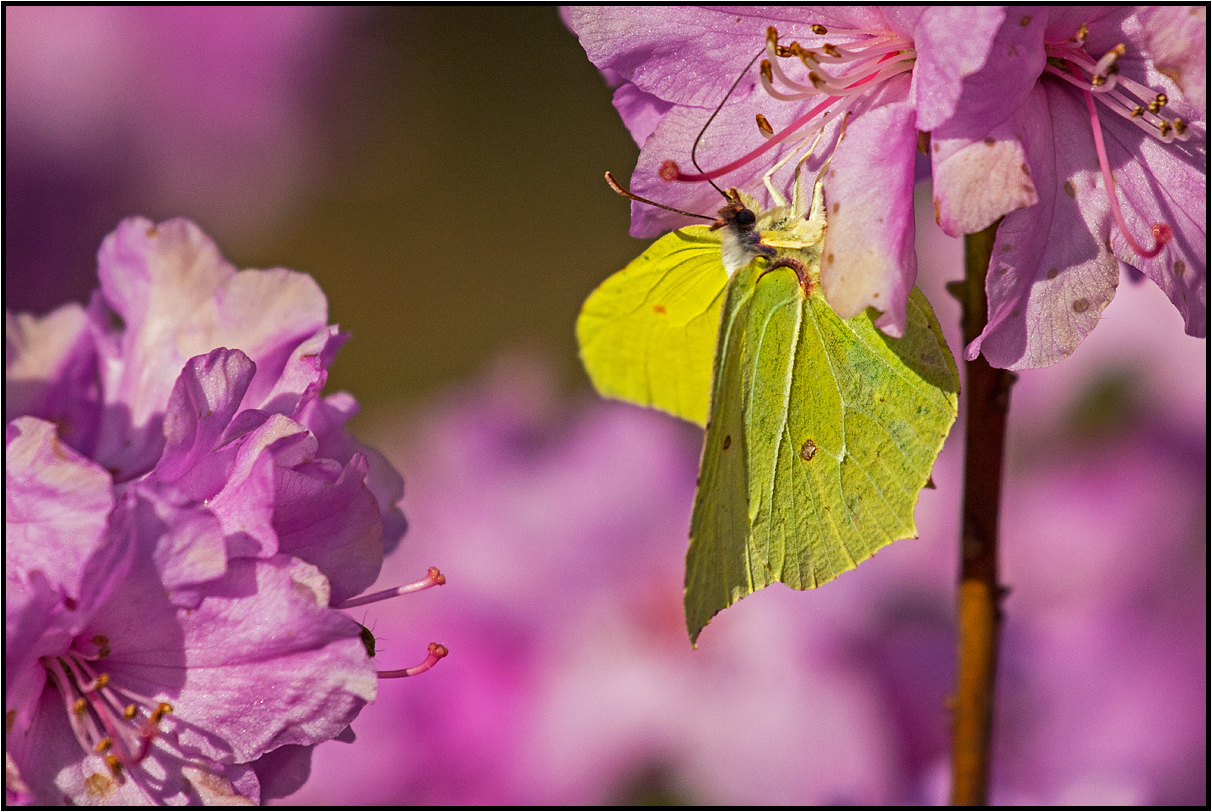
182	522
1027	114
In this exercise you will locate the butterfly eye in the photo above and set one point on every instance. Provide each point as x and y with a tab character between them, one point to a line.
745	218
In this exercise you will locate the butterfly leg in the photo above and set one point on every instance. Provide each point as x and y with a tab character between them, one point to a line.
793	264
775	195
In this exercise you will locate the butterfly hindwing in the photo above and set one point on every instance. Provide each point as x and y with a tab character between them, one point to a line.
719	571
840	427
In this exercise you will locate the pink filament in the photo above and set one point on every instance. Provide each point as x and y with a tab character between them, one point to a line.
1162	233
432	578
669	169
436	652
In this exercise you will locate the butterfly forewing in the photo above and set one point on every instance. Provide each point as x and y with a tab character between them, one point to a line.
648	333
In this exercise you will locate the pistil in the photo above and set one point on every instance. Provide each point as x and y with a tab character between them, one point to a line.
1066	61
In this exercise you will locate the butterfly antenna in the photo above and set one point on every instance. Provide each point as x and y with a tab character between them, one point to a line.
694	148
625	193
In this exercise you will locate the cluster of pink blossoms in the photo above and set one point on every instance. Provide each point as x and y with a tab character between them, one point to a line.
183	519
1084	128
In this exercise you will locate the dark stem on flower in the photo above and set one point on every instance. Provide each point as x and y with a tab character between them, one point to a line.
980	594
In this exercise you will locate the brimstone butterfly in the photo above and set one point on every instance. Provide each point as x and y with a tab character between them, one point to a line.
819	431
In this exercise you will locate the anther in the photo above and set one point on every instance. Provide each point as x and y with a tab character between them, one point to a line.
831	50
1164	127
816	80
767	71
1154	107
129	712
819	30
102	644
1180	126
1082	32
1098	81
104	744
161	709
101	681
80	706
764	125
1110	58
772	36
1137	112
114	764
1162	99
436	652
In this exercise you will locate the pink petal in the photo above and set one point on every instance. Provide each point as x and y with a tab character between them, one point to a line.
976	182
868	258
641	111
1164	183
178	298
34	626
305	373
203	402
1050	278
50	371
246	504
326	515
1177	38
56	505
945	60
325	418
261	662
691	55
979	166
190	548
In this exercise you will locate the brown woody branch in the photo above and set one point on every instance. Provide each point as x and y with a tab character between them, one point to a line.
979	600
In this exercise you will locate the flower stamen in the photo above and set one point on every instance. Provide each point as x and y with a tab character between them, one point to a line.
863	64
101	715
432	578
1126	97
436	652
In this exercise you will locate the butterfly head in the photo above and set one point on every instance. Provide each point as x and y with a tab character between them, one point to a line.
741	242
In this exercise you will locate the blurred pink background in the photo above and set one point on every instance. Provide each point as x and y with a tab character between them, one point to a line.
447	195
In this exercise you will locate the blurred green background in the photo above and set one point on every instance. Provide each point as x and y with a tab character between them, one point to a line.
450	200
469	211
